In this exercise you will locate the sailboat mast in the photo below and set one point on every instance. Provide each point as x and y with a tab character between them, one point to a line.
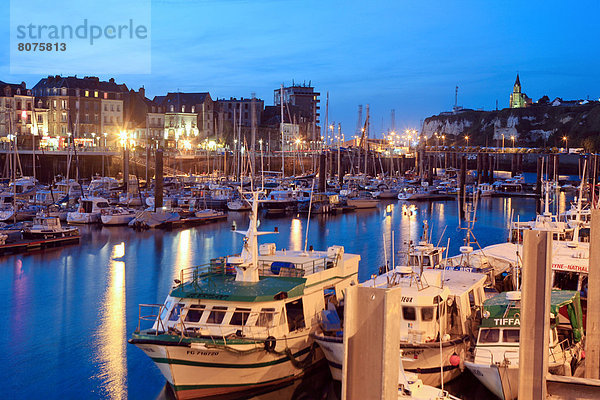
281	128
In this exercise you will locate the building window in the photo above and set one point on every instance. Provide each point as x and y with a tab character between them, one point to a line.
64	104
246	106
105	95
106	107
118	107
95	93
64	91
87	93
63	117
105	119
246	115
112	107
18	105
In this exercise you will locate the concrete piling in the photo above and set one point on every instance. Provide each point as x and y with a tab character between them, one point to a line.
535	322
371	343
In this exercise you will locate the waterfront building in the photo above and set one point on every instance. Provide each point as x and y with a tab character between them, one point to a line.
517	98
18	113
189	118
144	119
76	108
302	103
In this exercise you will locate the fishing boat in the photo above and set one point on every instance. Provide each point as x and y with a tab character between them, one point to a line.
89	210
243	322
46	227
495	360
436	306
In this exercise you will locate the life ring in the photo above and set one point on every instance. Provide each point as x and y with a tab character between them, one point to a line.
270	344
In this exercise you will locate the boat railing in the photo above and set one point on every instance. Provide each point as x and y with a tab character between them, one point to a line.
154	317
219	266
508	356
560	349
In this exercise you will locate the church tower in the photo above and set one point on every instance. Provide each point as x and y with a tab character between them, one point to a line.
518	99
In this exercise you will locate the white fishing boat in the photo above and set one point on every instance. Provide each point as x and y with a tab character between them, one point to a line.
244	321
495	360
436	305
89	210
46	227
117	216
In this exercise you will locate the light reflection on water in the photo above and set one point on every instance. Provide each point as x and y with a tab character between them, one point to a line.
111	336
70	310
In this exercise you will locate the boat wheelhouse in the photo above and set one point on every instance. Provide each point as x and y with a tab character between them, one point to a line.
243	322
436	306
495	360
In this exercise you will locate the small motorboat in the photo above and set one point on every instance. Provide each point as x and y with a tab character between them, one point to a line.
46	227
117	216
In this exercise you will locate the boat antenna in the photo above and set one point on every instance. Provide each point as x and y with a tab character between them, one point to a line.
308	218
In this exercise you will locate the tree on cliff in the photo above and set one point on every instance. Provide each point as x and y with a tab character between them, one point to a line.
544	100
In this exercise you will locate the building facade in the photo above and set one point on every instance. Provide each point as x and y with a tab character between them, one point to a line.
76	108
302	108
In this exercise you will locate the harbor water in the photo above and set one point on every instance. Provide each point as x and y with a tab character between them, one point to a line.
69	311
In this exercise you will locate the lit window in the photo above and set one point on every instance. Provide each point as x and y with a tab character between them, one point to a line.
87	93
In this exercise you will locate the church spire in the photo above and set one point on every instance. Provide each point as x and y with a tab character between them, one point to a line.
517	86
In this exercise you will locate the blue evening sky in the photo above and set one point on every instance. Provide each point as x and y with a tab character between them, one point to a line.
402	55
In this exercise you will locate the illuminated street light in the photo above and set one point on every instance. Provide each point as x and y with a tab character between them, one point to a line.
513	141
467	139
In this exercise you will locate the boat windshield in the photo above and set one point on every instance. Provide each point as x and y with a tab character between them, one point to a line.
491	335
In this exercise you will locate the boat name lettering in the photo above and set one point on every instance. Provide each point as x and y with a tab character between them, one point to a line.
202	353
406	299
507	321
213	296
412	353
568	267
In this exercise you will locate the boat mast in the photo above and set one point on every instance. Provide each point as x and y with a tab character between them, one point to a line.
281	128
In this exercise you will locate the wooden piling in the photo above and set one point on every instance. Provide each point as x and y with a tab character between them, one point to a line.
535	318
592	340
371	343
322	173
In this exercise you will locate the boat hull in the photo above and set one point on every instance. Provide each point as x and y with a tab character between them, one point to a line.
423	359
197	371
363	203
117	219
500	380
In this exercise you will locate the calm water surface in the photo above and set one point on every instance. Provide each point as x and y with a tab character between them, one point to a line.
68	312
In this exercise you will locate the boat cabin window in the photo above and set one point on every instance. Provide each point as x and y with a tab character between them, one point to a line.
265	318
240	316
102	204
472	298
409	313
216	315
510	335
195	313
566	280
295	315
176	312
165	309
427	313
490	335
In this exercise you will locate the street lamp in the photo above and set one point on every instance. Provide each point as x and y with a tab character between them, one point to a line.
566	139
467	139
513	141
503	142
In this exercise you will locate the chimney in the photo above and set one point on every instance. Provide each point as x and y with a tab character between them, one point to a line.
142	92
